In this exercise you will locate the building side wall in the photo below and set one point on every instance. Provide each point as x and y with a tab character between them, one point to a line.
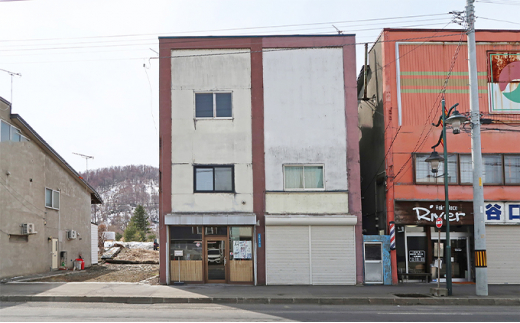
22	198
211	141
371	146
305	86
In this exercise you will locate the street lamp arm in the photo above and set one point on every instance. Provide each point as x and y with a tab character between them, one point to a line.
447	116
438	142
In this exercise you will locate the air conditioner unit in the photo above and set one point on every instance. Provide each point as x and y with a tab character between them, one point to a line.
72	234
28	228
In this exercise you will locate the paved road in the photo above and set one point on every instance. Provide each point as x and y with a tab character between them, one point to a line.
34	311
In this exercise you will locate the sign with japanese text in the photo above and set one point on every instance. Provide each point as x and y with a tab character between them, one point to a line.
502	212
416	256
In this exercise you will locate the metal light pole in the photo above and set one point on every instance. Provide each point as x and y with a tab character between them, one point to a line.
476	156
434	159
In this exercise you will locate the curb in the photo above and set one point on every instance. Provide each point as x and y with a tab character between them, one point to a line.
266	300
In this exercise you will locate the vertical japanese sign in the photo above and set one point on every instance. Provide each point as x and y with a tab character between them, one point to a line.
504	82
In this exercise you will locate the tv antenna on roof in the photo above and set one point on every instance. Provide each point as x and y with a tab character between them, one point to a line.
86	161
339	31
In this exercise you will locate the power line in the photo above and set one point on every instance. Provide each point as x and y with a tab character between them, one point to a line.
510	22
230	29
191	41
133	40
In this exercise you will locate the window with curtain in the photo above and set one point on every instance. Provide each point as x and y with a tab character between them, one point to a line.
423	170
304	177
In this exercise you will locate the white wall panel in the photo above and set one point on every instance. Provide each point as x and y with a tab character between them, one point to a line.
306	203
211	141
94	243
304	114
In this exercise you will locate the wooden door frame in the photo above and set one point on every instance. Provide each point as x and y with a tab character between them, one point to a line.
226	260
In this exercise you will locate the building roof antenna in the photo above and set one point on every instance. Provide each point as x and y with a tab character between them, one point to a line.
86	161
339	31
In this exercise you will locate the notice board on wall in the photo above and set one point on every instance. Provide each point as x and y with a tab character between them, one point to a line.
242	250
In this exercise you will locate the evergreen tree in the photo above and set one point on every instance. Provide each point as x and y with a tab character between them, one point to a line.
130	233
138	226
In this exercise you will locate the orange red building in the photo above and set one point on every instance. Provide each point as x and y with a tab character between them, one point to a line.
400	90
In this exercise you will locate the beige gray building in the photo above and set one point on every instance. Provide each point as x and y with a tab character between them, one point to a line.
44	203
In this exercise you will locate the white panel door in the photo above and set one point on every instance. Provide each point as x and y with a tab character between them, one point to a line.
333	256
287	255
94	243
503	257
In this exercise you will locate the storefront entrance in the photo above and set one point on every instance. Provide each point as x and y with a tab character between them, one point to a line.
417	238
421	254
216	261
211	254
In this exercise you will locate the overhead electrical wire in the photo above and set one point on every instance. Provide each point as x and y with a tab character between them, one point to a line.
230	29
130	40
191	41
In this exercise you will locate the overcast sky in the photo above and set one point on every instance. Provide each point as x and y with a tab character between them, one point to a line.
89	83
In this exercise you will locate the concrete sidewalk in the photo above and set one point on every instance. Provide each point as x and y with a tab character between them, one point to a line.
403	294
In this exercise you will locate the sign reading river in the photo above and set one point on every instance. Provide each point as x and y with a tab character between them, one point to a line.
427	212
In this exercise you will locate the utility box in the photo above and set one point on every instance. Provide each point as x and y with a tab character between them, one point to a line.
28	228
72	234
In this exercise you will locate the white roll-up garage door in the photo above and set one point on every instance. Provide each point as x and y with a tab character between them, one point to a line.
503	258
316	255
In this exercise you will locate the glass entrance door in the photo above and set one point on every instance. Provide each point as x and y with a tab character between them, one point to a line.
216	261
459	261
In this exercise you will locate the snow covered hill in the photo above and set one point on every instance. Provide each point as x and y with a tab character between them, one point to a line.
122	189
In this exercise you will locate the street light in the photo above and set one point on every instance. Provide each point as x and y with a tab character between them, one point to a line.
455	120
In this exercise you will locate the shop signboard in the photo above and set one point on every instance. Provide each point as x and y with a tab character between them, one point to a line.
502	212
427	212
416	255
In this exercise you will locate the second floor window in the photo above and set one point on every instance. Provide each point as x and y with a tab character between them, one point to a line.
303	177
10	133
216	179
52	198
213	105
497	169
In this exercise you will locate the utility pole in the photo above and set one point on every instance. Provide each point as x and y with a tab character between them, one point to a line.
476	156
86	161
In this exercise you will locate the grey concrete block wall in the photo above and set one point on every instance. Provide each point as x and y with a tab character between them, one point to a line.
31	169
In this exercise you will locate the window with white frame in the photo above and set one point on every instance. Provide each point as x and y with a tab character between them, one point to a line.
213	105
52	199
10	133
303	177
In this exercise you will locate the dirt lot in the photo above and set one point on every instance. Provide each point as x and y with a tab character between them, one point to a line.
106	272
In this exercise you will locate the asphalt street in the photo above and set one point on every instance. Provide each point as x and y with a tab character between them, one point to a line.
46	311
